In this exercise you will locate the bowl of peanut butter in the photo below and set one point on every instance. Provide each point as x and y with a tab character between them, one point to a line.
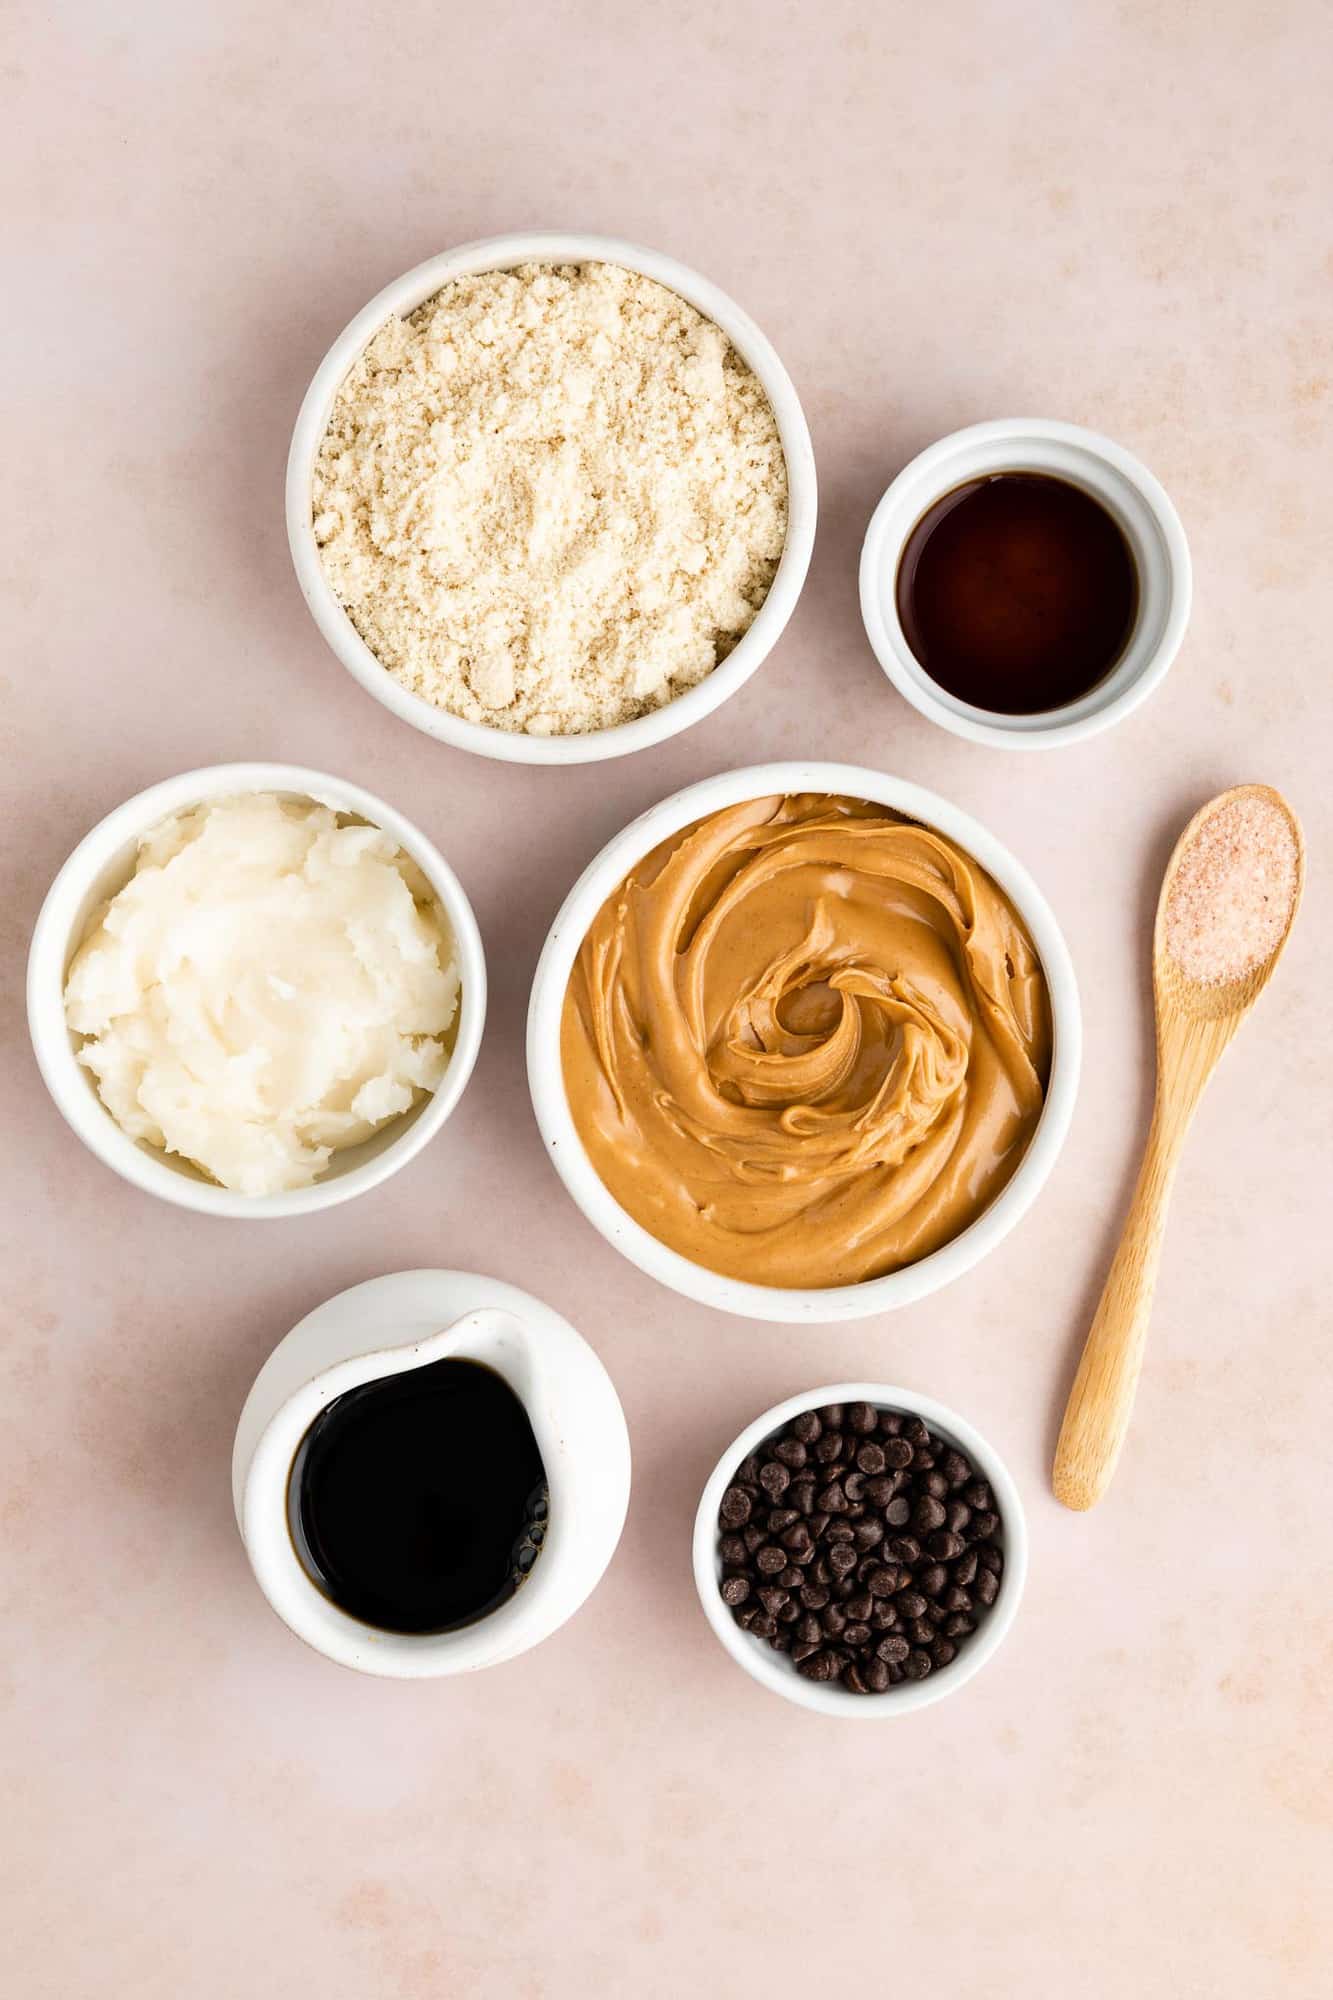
804	1041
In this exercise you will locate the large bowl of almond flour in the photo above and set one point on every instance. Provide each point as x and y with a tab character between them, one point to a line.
551	498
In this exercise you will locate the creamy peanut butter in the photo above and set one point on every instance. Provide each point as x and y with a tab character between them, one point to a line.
806	1041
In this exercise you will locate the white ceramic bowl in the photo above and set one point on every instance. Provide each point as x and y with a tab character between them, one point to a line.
406	1320
546	1081
101	865
775	1670
403	296
1125	488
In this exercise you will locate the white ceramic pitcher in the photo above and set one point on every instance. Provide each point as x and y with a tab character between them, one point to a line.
404	1321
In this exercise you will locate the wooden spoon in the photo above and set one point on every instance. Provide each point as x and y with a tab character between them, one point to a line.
1195	1021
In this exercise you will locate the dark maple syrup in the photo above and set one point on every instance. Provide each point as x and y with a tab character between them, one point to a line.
1017	592
418	1502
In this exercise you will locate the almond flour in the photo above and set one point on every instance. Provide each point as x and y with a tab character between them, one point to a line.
551	499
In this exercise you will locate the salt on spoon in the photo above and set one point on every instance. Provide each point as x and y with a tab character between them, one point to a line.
1229	899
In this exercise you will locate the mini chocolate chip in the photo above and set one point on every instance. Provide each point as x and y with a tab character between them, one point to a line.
944	1546
781	1641
905	1548
855	1632
870	1459
820	1570
735	1590
806	1427
791	1453
880	1490
780	1518
764	1627
861	1605
922	1631
923	1458
829	1448
978	1494
862	1417
748	1474
839	1531
957	1600
987	1586
868	1533
813	1596
833	1619
876	1676
818	1523
772	1599
796	1537
911	1604
898	1454
745	1615
820	1666
832	1416
852	1681
769	1560
933	1579
842	1558
917	1665
853	1486
915	1431
801	1494
882	1582
833	1500
735	1509
802	1649
943	1651
955	1468
936	1485
892	1650
898	1512
890	1423
732	1549
753	1537
927	1514
884	1618
808	1627
775	1479
991	1557
982	1526
966	1567
957	1516
958	1626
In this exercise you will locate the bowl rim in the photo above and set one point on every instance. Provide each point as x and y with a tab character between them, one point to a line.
54	943
403	294
546	1085
774	1670
943	466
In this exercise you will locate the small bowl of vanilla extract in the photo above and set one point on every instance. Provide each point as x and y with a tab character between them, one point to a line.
1025	583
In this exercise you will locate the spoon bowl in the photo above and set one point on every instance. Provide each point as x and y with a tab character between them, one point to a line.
1173	987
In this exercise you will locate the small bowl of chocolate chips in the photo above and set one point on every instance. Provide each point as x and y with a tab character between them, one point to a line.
861	1550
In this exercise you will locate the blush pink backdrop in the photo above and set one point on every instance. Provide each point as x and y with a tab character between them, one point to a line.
1117	214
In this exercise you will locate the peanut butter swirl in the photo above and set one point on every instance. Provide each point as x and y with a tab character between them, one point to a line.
806	1041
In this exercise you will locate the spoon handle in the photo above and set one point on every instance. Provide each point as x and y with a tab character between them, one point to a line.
1098	1411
